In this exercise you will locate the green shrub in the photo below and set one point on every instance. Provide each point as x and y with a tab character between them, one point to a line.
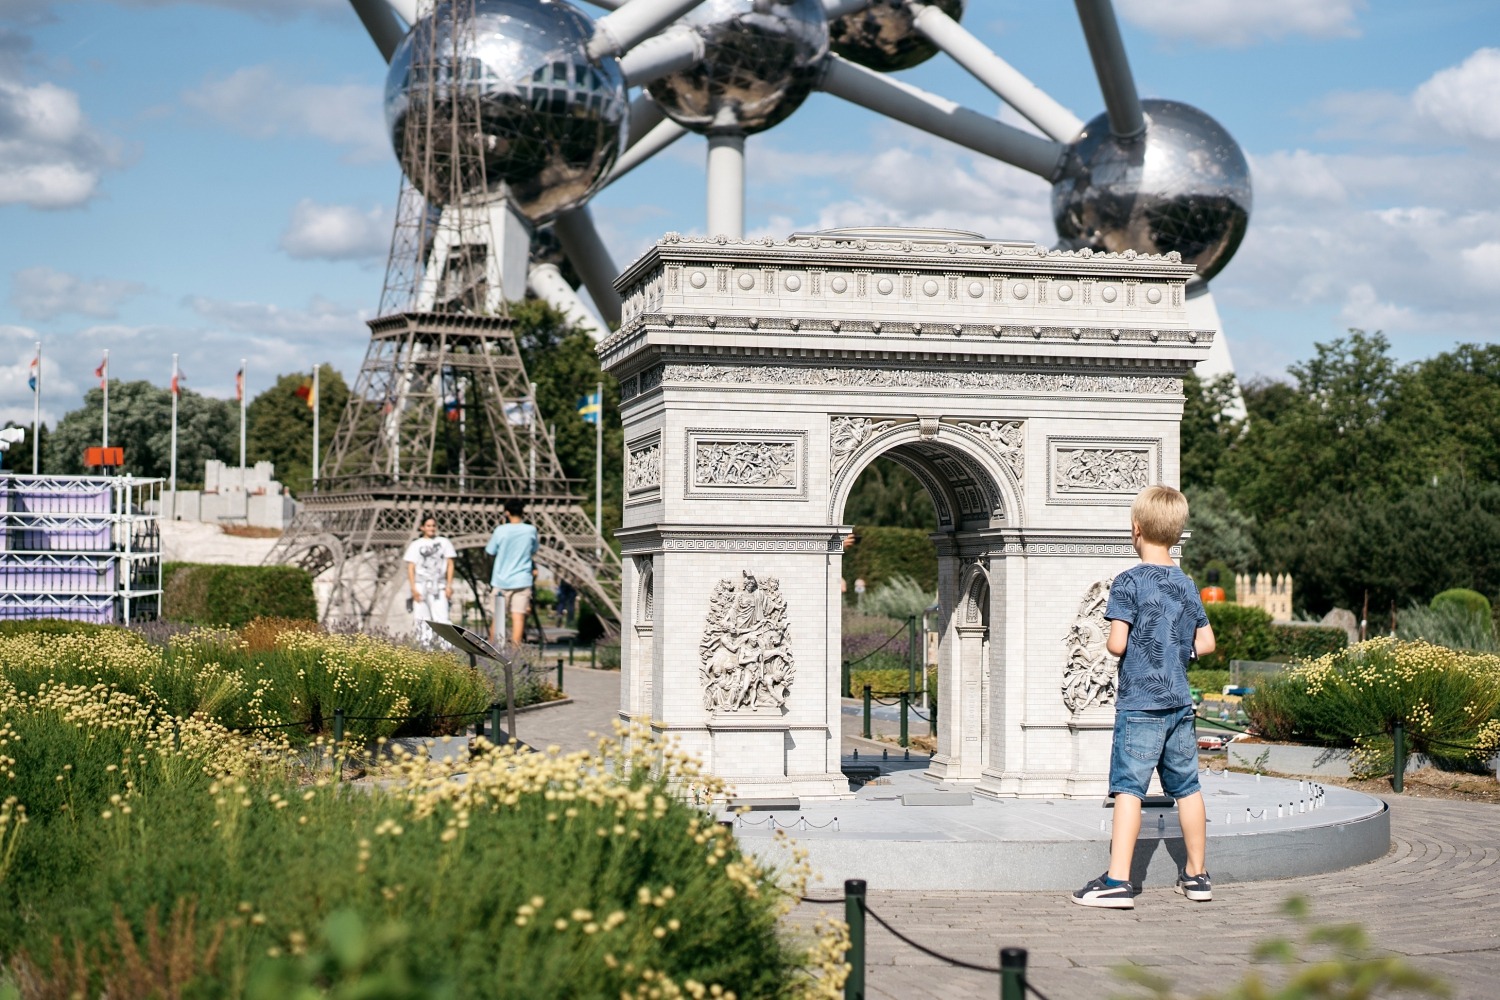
608	653
203	594
54	626
1241	632
898	598
1451	623
1209	681
1472	601
1446	700
1305	642
884	681
884	553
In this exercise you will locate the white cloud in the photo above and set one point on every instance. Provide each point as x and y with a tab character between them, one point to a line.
1464	100
337	232
320	318
50	156
1237	23
42	293
260	101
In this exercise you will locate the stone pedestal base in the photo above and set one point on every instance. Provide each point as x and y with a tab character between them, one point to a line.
1091	733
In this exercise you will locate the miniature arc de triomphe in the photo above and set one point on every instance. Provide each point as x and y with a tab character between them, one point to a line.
1032	392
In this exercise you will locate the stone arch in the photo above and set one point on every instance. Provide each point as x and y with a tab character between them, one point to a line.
971	486
645	604
965	697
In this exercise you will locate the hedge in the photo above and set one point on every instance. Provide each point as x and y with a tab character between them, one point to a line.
201	594
1471	601
883	553
1243	632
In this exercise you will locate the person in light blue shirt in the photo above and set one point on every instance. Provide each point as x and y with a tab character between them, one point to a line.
513	545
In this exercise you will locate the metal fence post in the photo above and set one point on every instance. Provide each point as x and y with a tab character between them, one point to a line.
1399	777
866	732
495	723
854	916
559	673
932	716
1012	974
338	744
905	701
845	691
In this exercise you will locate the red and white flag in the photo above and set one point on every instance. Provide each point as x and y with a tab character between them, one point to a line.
239	386
102	372
176	387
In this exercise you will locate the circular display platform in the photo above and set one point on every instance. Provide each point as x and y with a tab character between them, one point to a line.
906	831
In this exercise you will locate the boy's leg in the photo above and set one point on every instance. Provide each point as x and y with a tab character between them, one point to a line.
1193	818
1126	830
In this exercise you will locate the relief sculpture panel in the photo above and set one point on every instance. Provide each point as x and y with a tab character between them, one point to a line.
745	654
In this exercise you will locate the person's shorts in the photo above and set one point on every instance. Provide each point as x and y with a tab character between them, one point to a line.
514	602
1146	740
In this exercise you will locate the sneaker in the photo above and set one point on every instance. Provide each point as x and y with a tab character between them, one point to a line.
1111	897
1198	888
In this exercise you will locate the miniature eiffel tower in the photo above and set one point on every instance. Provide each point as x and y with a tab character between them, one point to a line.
442	419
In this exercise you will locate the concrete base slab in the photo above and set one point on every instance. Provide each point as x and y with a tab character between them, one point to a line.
1259	828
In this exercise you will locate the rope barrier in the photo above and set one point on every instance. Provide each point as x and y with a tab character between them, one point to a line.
960	963
878	648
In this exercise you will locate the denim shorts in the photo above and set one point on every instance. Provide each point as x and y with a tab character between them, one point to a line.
1161	739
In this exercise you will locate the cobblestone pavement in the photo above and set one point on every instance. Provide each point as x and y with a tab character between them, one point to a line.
1432	898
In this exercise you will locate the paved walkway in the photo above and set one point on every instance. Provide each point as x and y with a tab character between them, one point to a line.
1432	898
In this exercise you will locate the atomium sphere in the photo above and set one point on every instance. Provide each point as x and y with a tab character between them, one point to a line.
761	58
532	112
1183	186
883	36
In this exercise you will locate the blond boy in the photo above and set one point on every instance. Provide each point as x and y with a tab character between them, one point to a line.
1157	627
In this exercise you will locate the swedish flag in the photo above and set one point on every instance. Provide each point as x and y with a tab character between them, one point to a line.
589	408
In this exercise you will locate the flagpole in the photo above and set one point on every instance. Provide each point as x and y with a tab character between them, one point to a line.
36	416
599	467
531	426
243	395
316	449
174	435
105	366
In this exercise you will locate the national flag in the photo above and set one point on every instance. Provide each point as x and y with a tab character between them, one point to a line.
31	379
177	383
305	392
239	386
451	407
102	372
519	413
589	408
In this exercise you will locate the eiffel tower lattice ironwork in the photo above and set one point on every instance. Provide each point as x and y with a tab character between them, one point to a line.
442	419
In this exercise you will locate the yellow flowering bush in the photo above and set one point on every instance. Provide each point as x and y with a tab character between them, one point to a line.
1446	700
504	873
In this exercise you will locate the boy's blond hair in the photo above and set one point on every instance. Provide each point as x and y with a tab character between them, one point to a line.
1161	513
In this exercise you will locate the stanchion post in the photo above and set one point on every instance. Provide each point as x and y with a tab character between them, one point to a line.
931	716
845	690
1398	779
495	723
866	731
905	702
854	916
559	673
338	744
1012	974
479	727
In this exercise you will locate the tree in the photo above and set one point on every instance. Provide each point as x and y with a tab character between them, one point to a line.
1208	430
561	362
279	424
887	495
1220	534
140	422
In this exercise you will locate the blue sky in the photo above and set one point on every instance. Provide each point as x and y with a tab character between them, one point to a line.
213	178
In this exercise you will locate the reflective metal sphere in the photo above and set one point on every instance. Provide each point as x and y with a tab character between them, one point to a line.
534	113
761	58
883	37
1183	186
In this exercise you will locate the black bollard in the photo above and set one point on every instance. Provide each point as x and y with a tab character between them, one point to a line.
866	732
1012	974
854	916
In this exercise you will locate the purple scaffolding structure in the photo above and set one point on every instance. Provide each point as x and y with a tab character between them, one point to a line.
84	548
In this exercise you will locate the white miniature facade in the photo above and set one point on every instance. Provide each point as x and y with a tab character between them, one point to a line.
1032	392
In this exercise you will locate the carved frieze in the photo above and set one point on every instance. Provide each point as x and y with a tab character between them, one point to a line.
1098	470
898	378
643	468
1090	674
754	464
745	654
848	434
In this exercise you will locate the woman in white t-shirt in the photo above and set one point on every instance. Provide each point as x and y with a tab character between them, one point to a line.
429	574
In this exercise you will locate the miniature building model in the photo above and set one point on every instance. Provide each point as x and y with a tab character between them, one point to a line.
1032	392
1272	594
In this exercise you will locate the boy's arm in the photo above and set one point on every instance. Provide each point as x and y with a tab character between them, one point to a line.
1203	640
1119	634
